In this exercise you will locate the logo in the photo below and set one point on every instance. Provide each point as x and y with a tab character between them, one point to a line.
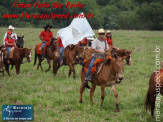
75	33
17	112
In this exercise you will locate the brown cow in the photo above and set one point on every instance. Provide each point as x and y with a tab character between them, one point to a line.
111	73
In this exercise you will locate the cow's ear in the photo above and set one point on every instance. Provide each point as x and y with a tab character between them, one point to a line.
23	36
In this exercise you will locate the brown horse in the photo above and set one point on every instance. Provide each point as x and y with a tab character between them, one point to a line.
18	55
48	54
111	73
86	52
122	53
153	91
2	49
70	58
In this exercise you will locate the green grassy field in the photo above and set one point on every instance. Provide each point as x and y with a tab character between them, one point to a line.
56	98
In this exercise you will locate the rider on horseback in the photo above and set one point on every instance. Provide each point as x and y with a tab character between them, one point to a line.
13	34
9	43
99	47
45	36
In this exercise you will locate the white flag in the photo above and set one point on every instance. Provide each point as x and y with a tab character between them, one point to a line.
76	31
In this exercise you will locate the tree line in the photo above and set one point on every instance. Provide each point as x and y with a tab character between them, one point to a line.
108	14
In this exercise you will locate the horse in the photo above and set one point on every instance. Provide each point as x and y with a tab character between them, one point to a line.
70	58
151	95
110	74
48	54
18	55
2	49
86	52
121	53
20	42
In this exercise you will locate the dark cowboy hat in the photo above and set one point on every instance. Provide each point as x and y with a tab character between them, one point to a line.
48	25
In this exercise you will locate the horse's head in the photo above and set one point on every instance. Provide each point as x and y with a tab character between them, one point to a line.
128	58
118	66
80	55
20	42
53	43
28	54
84	53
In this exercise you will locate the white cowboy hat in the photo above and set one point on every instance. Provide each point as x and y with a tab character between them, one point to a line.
11	27
101	31
108	31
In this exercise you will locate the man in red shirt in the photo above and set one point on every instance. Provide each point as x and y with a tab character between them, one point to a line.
61	49
45	36
9	43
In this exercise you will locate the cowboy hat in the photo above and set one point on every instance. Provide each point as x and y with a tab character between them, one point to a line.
101	31
108	31
48	25
11	27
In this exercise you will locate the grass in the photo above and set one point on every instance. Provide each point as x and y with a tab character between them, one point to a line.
56	98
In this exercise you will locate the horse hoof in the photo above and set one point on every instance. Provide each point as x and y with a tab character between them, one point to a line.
117	110
80	101
101	105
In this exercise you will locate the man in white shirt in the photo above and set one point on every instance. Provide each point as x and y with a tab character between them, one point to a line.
99	47
13	35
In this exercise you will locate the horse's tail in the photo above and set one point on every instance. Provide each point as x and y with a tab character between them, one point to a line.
35	58
147	101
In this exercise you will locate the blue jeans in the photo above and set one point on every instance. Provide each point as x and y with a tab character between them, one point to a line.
61	53
90	67
43	45
8	52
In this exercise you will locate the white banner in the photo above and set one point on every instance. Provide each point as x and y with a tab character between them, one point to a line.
76	31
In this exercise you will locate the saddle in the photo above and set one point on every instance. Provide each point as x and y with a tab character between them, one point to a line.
39	47
97	65
11	53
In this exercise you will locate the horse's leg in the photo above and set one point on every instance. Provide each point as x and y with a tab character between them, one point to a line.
48	60
102	94
69	73
116	97
7	69
17	66
82	87
3	74
39	64
73	71
92	92
55	66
